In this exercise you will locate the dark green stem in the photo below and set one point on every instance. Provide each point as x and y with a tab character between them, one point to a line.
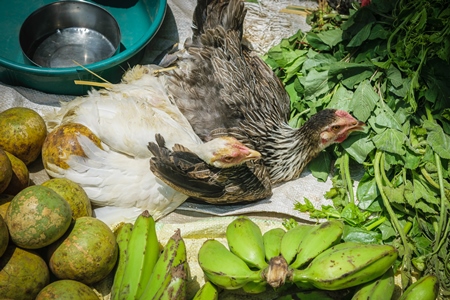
406	261
443	198
348	179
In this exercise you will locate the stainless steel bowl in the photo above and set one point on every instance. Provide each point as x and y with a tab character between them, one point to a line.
66	33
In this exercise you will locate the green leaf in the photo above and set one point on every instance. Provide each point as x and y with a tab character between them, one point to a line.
364	101
352	214
351	74
386	118
425	208
331	37
367	191
316	42
437	139
325	212
416	192
391	140
358	145
315	83
293	91
379	32
394	76
387	231
411	159
361	235
294	67
395	194
320	62
361	36
341	99
320	166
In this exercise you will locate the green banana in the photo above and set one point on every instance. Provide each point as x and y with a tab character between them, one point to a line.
223	268
245	240
142	254
345	266
317	240
425	288
272	242
175	287
171	264
207	292
255	287
123	234
290	241
379	289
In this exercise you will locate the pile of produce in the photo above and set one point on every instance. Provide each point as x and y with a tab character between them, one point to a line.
306	257
142	271
50	245
46	243
387	63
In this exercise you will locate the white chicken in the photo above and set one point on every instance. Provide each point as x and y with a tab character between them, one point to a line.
126	117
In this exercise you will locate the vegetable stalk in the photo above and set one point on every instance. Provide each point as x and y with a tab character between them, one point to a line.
406	261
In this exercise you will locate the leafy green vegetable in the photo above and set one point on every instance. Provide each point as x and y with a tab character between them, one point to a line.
388	64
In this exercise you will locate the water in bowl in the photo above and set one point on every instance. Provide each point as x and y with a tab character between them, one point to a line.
69	46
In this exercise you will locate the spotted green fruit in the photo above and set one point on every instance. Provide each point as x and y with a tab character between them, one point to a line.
86	253
22	133
67	290
37	216
23	274
74	194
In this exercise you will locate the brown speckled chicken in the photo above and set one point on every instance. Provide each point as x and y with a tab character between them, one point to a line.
224	89
182	170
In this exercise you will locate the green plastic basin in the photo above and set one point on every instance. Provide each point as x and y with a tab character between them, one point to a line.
139	20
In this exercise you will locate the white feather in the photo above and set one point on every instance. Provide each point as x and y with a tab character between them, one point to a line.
125	118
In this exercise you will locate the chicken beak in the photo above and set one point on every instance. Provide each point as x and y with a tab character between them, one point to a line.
358	126
252	155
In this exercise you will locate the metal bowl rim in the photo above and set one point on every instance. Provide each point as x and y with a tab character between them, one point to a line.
58	3
98	66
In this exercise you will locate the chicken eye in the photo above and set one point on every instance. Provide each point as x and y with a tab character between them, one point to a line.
227	159
336	127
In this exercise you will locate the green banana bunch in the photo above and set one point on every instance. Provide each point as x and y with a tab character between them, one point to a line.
315	241
346	265
290	241
169	275
379	289
207	292
223	268
123	234
426	288
272	242
245	240
142	254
